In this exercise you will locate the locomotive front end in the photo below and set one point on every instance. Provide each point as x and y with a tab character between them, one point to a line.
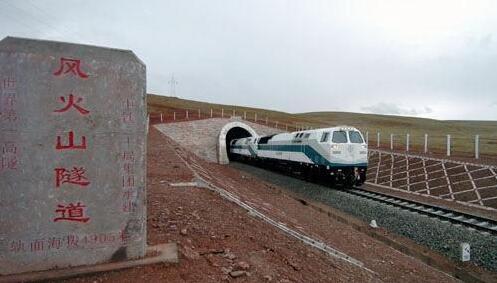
349	153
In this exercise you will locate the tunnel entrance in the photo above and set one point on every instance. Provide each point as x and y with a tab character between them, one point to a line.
235	133
229	132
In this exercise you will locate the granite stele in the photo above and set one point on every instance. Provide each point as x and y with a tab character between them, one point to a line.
72	145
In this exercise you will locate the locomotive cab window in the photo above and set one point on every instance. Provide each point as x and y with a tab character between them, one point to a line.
339	137
325	136
355	137
306	136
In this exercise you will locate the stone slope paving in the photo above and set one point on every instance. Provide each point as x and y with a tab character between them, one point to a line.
201	136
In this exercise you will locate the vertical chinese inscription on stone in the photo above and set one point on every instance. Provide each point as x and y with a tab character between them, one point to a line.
72	149
8	118
76	176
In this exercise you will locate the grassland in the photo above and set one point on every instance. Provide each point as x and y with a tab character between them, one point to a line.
462	132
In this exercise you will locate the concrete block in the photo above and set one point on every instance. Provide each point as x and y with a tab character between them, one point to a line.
72	147
465	251
161	253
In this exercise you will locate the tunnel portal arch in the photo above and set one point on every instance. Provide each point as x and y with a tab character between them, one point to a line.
230	131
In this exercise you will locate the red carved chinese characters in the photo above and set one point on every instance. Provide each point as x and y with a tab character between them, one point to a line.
70	103
71	212
72	241
54	243
69	241
8	160
8	101
70	65
75	176
124	237
128	158
127	114
37	245
9	83
70	144
129	194
129	201
17	246
7	107
8	111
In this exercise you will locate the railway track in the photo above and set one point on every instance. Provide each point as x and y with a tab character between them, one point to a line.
481	224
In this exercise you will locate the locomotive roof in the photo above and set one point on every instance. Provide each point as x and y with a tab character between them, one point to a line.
340	128
290	135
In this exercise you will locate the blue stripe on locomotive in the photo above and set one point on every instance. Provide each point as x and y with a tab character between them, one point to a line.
252	152
308	150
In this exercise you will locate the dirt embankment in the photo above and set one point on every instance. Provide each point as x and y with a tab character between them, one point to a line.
219	241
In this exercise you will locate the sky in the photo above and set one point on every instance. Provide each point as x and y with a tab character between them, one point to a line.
433	59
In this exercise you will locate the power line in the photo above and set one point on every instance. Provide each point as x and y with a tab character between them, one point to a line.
47	15
33	17
21	23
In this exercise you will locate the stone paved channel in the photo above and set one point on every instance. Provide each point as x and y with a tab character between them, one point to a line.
439	236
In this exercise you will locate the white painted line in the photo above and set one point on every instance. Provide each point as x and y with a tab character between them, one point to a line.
184	184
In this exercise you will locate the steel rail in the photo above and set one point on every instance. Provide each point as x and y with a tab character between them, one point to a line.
479	223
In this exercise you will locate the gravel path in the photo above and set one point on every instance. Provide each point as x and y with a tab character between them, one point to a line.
433	233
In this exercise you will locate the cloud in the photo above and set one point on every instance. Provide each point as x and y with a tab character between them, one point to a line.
394	109
296	56
486	41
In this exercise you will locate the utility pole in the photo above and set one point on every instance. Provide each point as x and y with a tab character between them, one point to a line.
172	86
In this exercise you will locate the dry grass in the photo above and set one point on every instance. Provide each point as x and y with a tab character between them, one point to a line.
462	132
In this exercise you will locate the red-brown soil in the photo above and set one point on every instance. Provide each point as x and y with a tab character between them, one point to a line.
216	237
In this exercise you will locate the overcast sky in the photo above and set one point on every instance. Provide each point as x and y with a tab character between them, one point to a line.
434	59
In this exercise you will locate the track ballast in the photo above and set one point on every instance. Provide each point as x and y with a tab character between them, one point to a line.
479	223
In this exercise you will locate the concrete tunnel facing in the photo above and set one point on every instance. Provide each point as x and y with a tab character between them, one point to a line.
229	132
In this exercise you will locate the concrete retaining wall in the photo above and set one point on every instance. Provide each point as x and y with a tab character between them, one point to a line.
206	137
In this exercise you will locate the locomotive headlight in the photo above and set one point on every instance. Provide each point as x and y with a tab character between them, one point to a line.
365	146
334	146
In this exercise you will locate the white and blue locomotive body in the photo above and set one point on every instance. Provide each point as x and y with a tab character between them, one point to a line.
244	147
340	152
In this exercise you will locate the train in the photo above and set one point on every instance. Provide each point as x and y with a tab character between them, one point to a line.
337	154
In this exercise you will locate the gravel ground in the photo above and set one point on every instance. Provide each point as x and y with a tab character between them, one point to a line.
442	237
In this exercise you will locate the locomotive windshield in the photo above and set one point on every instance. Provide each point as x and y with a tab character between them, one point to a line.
339	137
355	137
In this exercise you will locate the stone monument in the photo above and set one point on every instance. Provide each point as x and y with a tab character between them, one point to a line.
72	149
